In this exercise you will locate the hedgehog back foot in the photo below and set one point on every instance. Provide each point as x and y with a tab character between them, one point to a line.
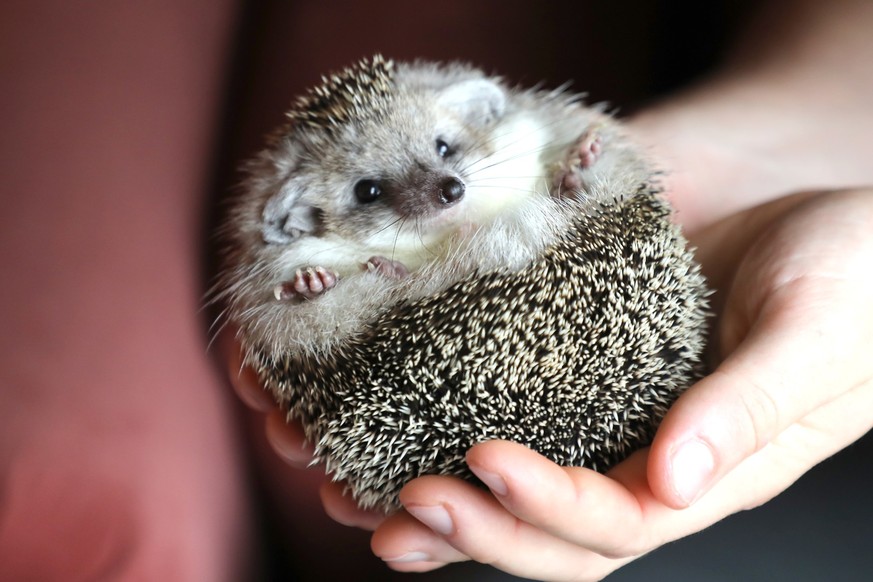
583	155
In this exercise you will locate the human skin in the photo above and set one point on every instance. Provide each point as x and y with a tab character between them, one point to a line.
798	308
787	112
793	387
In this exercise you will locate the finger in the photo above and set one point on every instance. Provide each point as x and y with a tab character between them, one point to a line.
343	509
411	564
471	521
574	504
731	414
245	382
614	515
406	544
288	440
805	333
474	523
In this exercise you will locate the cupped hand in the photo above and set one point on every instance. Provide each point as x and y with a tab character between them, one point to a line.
793	385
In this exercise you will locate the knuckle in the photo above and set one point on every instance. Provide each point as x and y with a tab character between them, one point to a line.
486	550
760	410
626	549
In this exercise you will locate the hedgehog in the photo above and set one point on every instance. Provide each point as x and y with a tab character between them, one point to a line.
424	258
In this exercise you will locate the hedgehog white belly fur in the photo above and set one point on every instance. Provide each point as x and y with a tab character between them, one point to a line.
524	279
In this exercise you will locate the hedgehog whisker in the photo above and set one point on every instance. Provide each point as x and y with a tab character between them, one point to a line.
507	188
339	246
474	162
518	155
481	143
390	224
418	234
218	317
522	153
420	238
396	236
513	177
309	259
501	182
215	331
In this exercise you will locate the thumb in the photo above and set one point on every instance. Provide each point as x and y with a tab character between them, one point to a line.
797	329
796	357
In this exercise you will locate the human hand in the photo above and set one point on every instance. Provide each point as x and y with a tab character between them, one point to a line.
793	386
797	306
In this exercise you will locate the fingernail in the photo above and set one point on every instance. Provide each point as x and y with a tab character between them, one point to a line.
433	516
692	466
409	557
287	442
493	481
247	386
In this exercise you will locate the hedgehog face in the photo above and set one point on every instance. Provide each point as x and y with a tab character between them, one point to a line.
396	180
399	178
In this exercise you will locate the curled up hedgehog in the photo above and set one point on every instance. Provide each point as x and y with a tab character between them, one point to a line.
425	258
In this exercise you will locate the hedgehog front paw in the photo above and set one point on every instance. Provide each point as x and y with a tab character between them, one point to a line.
387	267
584	154
307	283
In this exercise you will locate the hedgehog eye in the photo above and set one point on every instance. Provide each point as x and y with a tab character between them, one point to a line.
367	191
443	149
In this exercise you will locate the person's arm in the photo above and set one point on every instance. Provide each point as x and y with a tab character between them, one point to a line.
790	111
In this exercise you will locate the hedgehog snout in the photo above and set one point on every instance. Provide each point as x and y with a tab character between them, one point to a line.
451	190
429	193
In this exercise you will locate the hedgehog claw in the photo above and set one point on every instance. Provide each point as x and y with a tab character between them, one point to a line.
307	283
387	267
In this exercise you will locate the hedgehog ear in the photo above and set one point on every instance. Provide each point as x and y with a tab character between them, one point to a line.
287	217
476	101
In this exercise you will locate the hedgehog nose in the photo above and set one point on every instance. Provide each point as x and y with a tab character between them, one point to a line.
451	190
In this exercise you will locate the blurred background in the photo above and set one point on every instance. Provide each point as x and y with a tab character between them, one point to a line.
125	124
